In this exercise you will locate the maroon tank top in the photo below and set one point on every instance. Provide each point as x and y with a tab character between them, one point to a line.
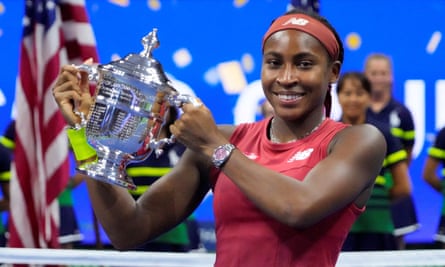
249	238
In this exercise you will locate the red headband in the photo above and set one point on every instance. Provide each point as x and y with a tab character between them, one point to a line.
309	25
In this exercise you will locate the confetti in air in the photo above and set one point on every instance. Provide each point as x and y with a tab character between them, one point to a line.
182	57
115	57
154	5
247	61
240	3
211	77
2	98
2	8
123	3
353	41
232	77
434	42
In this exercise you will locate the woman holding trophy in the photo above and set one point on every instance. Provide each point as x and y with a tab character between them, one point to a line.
286	189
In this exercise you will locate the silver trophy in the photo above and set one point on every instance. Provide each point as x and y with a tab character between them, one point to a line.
130	106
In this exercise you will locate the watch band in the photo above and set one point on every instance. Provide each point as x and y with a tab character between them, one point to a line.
221	154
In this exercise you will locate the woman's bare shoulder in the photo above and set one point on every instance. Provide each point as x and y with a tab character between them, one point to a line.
362	136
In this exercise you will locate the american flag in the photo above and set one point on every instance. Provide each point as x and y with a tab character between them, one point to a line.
55	33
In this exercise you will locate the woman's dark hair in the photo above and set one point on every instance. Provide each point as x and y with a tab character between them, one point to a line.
354	75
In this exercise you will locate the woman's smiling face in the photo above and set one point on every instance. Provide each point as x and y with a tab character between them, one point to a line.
296	73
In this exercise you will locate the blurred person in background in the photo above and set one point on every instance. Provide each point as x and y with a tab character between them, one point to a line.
434	173
69	233
378	68
374	229
6	158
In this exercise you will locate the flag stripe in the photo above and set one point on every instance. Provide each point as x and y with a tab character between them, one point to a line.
71	31
55	33
73	12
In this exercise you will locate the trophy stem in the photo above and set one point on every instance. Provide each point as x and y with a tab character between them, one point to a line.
108	168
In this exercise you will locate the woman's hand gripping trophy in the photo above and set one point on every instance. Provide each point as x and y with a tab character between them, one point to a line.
72	94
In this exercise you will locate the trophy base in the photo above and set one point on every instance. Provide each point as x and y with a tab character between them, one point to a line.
107	175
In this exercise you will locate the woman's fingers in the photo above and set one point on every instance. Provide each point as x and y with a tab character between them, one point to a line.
71	92
65	98
84	83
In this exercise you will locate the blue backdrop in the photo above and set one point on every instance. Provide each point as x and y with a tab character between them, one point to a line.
214	46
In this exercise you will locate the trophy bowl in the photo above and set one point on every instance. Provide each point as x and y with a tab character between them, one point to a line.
130	106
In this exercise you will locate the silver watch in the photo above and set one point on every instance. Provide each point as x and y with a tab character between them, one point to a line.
221	154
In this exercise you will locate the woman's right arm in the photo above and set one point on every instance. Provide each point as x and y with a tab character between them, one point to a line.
168	201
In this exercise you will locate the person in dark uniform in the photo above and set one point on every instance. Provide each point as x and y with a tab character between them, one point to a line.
69	232
374	229
434	174
386	109
7	139
6	157
7	146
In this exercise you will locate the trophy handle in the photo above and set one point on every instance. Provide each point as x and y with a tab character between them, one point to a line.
178	101
93	74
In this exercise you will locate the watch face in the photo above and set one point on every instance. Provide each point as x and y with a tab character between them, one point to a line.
220	153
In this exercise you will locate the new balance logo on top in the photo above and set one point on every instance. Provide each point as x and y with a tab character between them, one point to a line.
301	155
295	21
251	156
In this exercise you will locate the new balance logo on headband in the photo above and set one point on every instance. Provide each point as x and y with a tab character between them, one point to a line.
309	25
296	21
